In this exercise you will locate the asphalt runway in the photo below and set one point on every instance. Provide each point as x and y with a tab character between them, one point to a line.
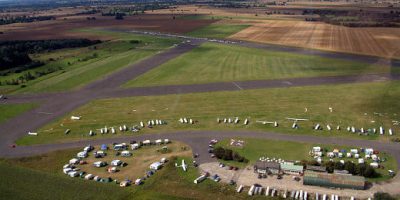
55	105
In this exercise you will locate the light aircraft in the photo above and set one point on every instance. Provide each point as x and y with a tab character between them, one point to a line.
183	165
267	122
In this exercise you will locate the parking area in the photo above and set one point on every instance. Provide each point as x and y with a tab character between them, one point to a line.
247	178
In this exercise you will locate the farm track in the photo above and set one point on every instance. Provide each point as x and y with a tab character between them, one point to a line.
56	105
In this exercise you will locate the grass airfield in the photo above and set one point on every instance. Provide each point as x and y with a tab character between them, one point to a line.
353	105
223	63
84	65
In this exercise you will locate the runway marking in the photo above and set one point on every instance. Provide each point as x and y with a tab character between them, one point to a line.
46	113
240	88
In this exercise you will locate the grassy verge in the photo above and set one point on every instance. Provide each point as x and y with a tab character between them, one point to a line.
217	30
22	183
353	105
8	111
223	63
78	67
253	149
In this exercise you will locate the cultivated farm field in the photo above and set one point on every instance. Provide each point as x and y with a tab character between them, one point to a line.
382	42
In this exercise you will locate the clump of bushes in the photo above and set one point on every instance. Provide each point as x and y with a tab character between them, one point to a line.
228	154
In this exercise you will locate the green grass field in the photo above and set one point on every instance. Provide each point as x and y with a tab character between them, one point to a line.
22	183
8	111
84	65
218	30
41	177
353	105
222	63
253	149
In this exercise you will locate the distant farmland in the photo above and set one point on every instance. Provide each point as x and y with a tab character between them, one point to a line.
383	42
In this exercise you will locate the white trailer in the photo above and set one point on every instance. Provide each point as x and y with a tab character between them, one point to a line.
381	130
267	191
200	179
239	189
251	191
246	121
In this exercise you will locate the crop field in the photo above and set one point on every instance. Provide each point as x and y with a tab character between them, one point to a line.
63	28
253	149
218	30
222	63
8	111
383	42
84	65
353	105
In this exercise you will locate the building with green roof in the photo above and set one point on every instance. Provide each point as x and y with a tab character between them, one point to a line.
290	168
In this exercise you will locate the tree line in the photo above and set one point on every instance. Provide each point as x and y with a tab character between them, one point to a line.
354	169
15	54
228	154
24	19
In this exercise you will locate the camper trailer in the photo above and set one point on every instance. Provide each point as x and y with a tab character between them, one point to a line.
126	154
99	164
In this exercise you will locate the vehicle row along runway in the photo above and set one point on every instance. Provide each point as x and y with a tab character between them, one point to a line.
55	105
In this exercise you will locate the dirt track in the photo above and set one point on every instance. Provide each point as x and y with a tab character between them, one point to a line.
56	105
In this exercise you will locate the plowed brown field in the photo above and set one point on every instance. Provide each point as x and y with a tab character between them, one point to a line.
383	42
60	28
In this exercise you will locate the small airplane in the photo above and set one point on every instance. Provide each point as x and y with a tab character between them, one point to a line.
296	119
183	165
275	123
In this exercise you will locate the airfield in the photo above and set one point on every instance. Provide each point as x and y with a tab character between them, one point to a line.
164	82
